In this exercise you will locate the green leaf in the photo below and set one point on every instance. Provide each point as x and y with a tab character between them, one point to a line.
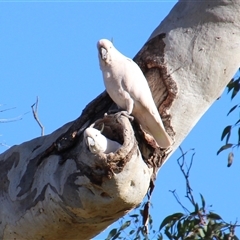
188	226
116	236
234	107
226	131
233	85
150	221
179	228
196	208
213	216
137	238
134	215
230	159
209	228
168	234
201	233
224	147
170	218
131	232
125	225
219	226
160	237
228	136
227	237
203	201
230	85
192	215
238	121
235	89
111	234
137	233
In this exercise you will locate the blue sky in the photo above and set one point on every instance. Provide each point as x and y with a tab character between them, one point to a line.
48	49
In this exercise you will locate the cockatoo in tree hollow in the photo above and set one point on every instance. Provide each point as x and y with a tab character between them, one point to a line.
97	142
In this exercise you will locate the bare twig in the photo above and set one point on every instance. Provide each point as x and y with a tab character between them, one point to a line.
186	176
178	200
7	120
35	115
7	109
4	145
200	214
186	173
12	119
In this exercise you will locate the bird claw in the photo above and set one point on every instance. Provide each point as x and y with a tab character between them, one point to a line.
125	114
118	113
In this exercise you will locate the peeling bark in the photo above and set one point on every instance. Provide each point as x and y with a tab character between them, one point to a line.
53	187
164	89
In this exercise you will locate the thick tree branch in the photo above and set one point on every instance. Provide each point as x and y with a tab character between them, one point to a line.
53	187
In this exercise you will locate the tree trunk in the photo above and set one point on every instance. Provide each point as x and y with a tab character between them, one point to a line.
53	187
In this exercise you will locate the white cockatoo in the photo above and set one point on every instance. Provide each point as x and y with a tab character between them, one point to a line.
98	143
128	88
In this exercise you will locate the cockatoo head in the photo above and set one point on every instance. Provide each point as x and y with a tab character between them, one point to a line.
105	47
98	143
95	141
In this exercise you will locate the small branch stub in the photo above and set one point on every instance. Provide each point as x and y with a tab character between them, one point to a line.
35	115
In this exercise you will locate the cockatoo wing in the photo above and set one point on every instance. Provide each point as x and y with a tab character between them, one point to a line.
128	88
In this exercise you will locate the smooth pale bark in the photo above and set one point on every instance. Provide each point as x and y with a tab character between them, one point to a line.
53	187
202	54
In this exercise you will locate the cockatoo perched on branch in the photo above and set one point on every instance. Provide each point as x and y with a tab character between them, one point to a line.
97	142
128	88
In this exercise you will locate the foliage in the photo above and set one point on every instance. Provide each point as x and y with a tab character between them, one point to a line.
200	223
133	227
233	87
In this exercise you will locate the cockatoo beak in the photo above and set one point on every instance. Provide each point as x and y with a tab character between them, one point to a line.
91	144
90	141
103	53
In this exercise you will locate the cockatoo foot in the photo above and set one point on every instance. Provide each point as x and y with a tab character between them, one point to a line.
125	114
118	113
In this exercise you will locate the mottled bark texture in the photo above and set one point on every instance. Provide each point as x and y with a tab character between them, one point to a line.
51	191
53	187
